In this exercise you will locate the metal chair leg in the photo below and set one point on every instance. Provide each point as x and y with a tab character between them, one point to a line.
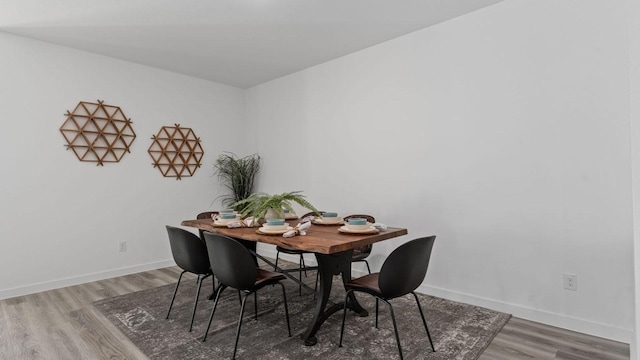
303	264
174	293
377	305
286	308
395	328
367	263
255	304
195	302
235	347
213	311
344	316
424	321
300	277
275	266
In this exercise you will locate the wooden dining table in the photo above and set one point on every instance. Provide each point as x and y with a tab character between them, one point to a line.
332	248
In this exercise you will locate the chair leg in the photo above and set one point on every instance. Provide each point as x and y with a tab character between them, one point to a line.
424	321
235	347
300	277
175	292
213	311
303	264
286	308
255	304
275	266
367	263
377	305
344	316
395	327
195	302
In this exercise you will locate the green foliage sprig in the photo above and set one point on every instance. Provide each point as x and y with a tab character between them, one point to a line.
258	204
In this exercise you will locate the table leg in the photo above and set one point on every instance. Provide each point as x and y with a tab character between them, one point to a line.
329	265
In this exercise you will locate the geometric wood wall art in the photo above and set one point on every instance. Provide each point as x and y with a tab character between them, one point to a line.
97	132
176	151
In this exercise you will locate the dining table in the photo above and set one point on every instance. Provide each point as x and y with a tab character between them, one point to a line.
332	247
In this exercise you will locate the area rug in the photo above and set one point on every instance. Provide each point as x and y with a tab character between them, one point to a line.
459	331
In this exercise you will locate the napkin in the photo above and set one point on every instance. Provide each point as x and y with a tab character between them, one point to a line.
248	222
300	229
380	226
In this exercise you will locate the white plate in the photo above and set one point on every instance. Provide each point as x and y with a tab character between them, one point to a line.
281	231
371	230
223	222
358	227
322	221
285	226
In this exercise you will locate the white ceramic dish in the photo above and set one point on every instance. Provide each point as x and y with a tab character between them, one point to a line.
366	226
274	232
370	230
276	227
328	221
223	221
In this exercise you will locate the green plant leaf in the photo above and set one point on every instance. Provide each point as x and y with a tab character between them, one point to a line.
237	175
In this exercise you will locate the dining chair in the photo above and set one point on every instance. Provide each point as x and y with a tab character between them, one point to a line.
302	266
401	273
190	254
234	266
205	215
360	254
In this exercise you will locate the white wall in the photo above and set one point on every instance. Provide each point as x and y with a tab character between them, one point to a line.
504	132
634	64
61	218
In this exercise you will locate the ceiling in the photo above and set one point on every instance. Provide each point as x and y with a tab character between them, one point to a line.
240	43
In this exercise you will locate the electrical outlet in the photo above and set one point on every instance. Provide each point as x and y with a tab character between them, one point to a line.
122	246
571	282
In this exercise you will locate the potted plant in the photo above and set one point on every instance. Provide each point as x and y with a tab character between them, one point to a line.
261	205
237	175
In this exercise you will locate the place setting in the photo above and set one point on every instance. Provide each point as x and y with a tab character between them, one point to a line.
328	219
360	226
274	227
232	219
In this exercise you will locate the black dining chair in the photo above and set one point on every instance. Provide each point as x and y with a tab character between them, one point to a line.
190	254
235	267
302	266
205	215
402	272
361	254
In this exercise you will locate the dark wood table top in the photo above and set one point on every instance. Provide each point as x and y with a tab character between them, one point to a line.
319	239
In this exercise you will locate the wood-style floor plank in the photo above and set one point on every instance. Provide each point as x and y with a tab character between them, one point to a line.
522	340
63	324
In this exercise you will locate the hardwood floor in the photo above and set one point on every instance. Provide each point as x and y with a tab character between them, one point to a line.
63	324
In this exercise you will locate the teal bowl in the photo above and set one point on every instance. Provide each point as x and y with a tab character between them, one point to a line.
275	222
357	221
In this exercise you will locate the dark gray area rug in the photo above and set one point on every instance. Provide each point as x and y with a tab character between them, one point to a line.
459	331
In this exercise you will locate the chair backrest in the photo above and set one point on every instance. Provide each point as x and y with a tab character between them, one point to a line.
310	213
188	250
405	268
231	261
369	218
206	214
367	248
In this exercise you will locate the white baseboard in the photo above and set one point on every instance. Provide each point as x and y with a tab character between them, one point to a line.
76	280
541	316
